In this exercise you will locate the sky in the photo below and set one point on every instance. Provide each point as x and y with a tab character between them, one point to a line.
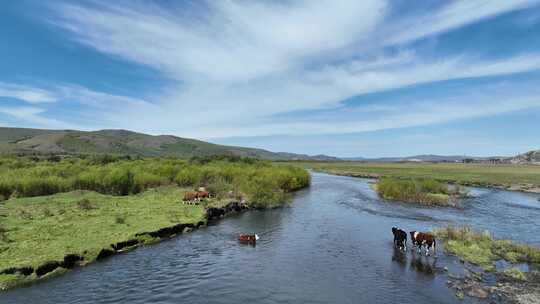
345	78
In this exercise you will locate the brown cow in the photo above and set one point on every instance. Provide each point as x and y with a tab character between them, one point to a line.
190	196
420	239
203	194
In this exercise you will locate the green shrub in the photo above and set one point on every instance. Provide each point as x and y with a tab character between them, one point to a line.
426	191
85	204
120	219
265	182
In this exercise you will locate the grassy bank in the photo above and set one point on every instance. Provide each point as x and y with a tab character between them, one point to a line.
422	191
46	228
50	209
480	248
465	174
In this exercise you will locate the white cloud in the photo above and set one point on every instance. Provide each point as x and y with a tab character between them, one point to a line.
32	117
26	93
233	41
238	63
453	15
92	109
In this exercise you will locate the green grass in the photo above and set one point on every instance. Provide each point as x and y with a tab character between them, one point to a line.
467	174
80	206
423	191
45	228
481	249
515	274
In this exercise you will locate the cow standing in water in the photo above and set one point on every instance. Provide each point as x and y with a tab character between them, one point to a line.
420	239
400	238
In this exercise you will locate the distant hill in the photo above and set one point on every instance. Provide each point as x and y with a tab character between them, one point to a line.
528	158
20	140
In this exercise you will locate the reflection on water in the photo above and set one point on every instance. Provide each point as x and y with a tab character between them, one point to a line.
333	245
423	264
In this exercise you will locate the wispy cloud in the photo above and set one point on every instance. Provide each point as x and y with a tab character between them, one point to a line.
96	106
33	117
454	15
238	64
27	93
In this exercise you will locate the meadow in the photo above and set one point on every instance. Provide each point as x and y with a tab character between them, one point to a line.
53	207
503	175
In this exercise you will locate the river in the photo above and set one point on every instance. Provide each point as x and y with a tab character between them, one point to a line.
332	245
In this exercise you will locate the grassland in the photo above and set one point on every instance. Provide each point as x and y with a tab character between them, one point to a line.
50	209
46	228
519	177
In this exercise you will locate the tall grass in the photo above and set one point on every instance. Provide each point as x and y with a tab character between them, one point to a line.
258	180
483	249
426	191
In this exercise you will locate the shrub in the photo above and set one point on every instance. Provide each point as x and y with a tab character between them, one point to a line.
120	219
23	177
429	192
219	187
85	204
189	176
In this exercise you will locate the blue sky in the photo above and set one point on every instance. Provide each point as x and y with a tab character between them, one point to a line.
345	78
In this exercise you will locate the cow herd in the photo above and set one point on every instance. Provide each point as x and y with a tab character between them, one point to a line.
420	240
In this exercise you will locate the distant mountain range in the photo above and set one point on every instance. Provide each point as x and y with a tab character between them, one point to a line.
28	141
528	158
417	158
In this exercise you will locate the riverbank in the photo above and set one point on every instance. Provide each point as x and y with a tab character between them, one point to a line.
524	178
49	225
96	227
48	234
502	260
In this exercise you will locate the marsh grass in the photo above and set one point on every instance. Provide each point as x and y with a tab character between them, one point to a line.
480	248
423	191
261	181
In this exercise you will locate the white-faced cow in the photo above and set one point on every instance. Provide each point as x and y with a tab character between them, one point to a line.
421	239
400	238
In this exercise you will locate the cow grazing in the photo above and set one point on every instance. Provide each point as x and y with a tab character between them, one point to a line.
190	196
421	239
203	194
400	238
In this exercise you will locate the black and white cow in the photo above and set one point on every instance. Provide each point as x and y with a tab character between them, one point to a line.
400	238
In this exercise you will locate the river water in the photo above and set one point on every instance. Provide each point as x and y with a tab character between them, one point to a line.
332	245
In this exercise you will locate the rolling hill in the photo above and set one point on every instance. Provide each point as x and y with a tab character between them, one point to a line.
20	140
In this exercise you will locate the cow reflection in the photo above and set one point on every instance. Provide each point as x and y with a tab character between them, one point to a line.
423	264
399	256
